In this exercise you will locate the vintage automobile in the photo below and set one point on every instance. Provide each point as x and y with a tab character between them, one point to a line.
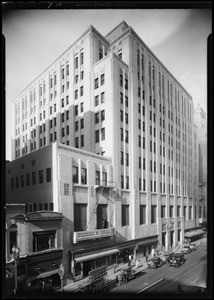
168	255
186	249
128	274
177	260
155	262
193	246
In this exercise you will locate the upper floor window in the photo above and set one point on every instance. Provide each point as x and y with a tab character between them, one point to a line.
44	240
102	79
76	62
96	83
81	58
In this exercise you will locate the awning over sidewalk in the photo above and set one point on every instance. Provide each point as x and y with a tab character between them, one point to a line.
193	233
96	255
43	275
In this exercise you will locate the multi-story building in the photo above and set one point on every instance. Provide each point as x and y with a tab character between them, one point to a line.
201	123
39	237
113	97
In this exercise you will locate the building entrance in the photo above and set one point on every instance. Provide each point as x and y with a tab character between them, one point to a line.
164	239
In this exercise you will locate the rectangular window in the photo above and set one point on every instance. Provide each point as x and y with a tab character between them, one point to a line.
40	176
76	110
171	211
82	123
142	214
80	217
103	134
185	212
97	177
75	174
153	214
126	136
22	181
102	115
76	94
190	212
81	91
96	83
34	178
81	107
163	211
27	179
121	116
125	215
121	157
48	175
44	240
102	97
97	139
102	79
127	182
121	134
81	58
77	142
127	159
83	175
82	140
96	102
97	118
178	211
76	62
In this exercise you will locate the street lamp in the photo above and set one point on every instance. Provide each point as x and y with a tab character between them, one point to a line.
16	252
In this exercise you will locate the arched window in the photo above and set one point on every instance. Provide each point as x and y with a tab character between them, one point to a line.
13	236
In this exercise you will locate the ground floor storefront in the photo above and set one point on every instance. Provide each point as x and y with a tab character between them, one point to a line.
194	235
83	261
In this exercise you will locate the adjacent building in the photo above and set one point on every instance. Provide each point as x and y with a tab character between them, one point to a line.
112	136
201	123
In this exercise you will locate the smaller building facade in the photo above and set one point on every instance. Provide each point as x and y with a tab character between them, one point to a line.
39	238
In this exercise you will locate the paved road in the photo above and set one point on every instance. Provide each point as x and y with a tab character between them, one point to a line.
191	275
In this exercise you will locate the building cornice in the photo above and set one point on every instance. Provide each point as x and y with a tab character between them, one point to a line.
130	31
89	30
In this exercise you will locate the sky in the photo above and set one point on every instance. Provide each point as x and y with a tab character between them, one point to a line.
35	38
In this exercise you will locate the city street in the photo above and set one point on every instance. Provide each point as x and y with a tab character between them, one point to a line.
191	275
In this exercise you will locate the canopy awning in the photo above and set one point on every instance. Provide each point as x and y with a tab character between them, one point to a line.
43	275
96	255
193	233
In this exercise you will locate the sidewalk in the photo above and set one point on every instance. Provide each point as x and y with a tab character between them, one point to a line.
71	287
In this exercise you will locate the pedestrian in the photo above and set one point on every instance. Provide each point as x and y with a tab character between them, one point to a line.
115	267
146	256
137	263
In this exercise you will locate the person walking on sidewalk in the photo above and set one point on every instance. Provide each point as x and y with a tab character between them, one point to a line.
137	263
115	267
146	256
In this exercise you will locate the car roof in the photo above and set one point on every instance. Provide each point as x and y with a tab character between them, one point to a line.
178	254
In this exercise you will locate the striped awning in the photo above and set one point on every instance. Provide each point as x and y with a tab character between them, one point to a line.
193	233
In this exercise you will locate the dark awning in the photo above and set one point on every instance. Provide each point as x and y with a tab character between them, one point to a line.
43	275
143	241
194	233
96	255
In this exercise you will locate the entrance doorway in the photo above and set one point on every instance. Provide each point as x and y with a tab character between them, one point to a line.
171	238
164	239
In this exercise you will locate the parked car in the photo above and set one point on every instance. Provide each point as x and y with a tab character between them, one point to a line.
155	262
193	246
186	249
128	274
168	255
177	260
